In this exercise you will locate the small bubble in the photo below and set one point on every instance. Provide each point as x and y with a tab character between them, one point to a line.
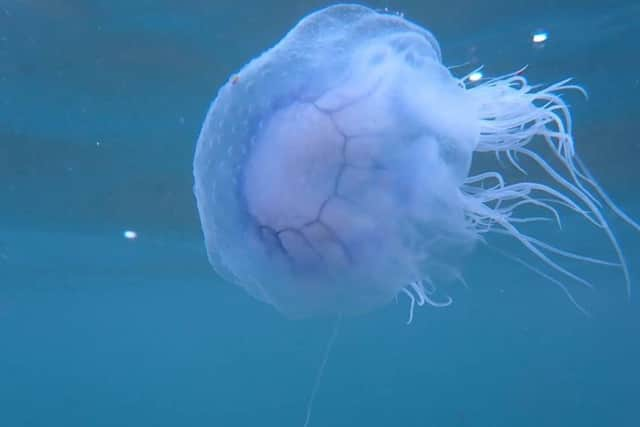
130	235
539	36
475	76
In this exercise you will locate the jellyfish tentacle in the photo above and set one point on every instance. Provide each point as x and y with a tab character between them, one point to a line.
512	113
526	241
607	199
412	304
526	220
514	161
522	191
485	175
544	275
434	303
594	209
508	135
418	295
427	291
542	204
566	254
321	368
461	279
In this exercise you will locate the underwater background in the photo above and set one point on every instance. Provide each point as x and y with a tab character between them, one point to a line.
101	103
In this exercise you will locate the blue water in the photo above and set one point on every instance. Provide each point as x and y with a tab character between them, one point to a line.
101	104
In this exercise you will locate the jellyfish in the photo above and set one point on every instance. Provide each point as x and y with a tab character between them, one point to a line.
333	172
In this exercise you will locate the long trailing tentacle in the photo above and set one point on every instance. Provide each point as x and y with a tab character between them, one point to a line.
513	116
542	274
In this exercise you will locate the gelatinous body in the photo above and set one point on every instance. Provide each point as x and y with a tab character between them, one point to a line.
332	172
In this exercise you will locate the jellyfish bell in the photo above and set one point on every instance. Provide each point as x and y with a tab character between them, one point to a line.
332	173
